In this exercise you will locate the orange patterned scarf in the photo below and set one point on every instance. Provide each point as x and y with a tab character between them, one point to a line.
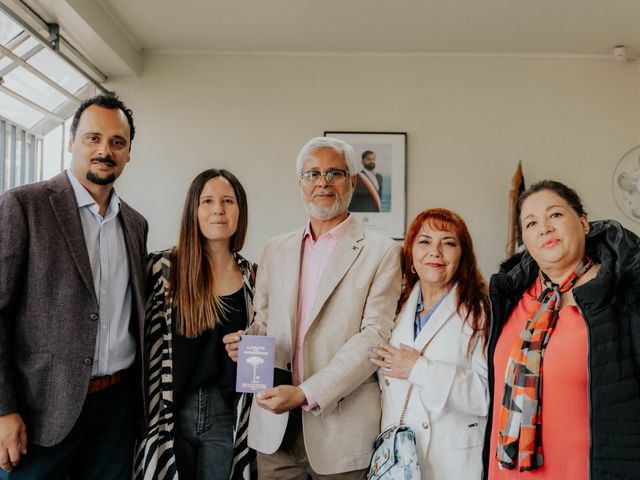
520	427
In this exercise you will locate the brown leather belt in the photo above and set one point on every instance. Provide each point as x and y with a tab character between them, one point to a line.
98	384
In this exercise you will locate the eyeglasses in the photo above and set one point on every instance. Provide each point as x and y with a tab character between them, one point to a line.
333	177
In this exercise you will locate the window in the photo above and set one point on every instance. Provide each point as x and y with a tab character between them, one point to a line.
40	89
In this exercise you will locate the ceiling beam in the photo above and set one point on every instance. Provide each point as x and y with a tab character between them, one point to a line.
94	19
94	34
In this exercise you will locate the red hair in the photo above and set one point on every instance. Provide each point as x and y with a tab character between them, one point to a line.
472	288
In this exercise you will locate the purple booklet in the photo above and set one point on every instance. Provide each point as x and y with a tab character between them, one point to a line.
256	357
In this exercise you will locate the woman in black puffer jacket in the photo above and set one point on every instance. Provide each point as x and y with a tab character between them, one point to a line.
570	303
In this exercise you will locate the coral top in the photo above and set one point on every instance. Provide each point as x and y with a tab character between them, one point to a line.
565	406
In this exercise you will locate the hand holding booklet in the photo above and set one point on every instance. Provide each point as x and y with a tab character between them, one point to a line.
256	360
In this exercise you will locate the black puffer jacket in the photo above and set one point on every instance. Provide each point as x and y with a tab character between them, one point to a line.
610	305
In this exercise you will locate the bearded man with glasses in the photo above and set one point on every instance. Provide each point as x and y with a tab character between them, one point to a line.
72	309
328	293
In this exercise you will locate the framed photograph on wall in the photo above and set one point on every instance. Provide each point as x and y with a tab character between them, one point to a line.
379	198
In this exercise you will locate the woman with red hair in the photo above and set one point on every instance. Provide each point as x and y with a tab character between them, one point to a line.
438	348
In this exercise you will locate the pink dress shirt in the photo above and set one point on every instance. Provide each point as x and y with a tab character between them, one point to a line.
314	258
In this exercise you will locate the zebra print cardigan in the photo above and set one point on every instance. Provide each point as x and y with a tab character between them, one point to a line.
154	458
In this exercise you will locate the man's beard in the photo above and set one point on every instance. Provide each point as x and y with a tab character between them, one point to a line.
369	167
94	178
340	205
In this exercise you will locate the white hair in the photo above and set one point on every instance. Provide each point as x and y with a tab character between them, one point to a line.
339	146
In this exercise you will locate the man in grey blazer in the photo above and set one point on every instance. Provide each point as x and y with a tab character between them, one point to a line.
328	293
71	311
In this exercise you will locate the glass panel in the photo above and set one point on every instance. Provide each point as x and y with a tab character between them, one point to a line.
8	157
18	165
28	159
67	135
4	159
8	29
39	159
25	46
18	112
31	87
52	152
58	71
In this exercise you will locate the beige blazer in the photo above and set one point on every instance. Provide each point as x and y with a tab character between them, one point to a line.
353	311
450	399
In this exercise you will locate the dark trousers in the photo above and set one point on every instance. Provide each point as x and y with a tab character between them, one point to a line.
100	445
203	436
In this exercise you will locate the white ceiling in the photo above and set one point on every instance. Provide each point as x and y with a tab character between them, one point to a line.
522	27
513	26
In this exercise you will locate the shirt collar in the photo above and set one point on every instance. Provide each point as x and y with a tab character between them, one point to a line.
420	304
336	232
84	198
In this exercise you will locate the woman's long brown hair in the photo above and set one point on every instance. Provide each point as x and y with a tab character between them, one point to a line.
472	289
191	282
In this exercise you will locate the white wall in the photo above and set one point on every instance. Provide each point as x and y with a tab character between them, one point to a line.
469	121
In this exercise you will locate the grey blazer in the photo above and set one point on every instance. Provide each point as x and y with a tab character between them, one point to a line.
48	305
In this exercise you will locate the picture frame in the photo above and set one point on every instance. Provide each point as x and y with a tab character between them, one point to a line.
380	196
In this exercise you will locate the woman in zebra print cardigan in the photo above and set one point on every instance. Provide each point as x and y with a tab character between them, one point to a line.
198	291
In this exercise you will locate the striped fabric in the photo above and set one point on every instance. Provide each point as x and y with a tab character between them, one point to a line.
520	427
244	465
154	458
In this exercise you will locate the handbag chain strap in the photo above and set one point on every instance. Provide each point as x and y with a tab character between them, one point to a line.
406	404
408	397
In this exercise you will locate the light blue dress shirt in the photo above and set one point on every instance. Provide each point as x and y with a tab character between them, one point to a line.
419	322
107	249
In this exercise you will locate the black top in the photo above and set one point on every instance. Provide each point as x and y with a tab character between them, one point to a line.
203	361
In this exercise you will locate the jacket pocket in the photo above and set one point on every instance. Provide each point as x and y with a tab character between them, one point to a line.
469	437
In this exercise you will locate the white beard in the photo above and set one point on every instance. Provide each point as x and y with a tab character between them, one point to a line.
327	213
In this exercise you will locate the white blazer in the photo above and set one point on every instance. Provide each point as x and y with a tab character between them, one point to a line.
450	399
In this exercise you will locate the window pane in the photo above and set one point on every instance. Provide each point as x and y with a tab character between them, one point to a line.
19	164
67	136
29	86
25	46
18	112
58	71
52	153
39	159
8	155
8	29
20	50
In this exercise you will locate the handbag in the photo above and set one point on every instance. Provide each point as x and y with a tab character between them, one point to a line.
394	451
395	456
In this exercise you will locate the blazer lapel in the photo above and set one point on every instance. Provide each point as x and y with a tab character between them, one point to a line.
134	255
65	209
291	277
403	329
345	254
446	309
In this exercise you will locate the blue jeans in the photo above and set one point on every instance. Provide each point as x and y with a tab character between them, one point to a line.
203	437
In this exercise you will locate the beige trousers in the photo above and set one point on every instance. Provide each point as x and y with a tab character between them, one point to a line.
290	461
